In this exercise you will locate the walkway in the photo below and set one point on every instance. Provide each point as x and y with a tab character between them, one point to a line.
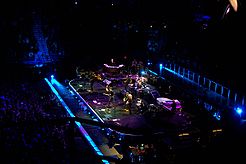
212	101
95	133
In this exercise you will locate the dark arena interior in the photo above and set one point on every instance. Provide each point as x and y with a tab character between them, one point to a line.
122	81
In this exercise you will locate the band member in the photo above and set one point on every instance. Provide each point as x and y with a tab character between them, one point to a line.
109	88
174	106
95	77
112	62
140	105
128	101
134	66
139	83
127	82
140	67
110	93
78	73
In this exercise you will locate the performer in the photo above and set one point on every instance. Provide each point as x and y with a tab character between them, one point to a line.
78	72
127	82
128	101
139	83
112	62
110	93
140	106
174	106
140	67
134	66
95	77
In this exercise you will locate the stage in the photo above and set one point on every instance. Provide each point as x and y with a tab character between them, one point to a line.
147	114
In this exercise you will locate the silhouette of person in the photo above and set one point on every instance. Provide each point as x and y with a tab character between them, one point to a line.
111	94
128	101
96	77
174	106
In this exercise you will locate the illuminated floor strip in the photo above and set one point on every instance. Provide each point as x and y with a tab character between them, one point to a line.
175	73
82	130
85	102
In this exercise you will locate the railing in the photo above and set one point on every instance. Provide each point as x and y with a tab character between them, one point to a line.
228	96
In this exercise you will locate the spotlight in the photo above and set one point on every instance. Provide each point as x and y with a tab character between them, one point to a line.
239	110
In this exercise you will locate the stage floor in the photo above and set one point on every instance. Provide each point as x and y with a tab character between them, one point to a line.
152	118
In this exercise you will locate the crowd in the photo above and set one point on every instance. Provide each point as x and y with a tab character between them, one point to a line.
27	132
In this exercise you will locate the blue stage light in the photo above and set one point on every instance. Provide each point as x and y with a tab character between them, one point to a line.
239	110
143	73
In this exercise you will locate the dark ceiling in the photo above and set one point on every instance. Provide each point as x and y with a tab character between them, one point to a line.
186	19
202	25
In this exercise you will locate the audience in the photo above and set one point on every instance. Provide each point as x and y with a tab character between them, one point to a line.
23	135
